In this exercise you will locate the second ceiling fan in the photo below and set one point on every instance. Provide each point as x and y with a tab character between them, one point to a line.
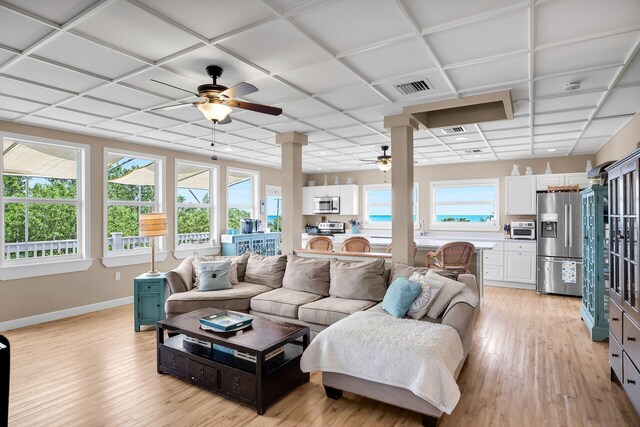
217	100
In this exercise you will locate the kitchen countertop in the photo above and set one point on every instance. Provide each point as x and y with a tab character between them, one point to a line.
423	242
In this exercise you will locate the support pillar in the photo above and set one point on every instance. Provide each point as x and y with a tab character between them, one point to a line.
291	144
402	127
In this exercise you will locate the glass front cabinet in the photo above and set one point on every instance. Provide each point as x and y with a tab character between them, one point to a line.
623	286
595	251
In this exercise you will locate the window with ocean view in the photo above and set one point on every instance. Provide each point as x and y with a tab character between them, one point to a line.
242	196
377	205
465	204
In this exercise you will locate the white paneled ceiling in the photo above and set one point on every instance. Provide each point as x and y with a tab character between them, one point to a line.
331	65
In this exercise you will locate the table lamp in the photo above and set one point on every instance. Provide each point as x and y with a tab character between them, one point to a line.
152	225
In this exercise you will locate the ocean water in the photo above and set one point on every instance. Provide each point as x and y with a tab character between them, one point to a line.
270	218
439	218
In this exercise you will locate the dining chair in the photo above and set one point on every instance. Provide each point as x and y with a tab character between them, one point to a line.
320	243
356	244
415	248
455	256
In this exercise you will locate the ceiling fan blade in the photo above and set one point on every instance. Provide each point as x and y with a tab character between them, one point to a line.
172	107
368	160
175	87
239	90
274	111
225	121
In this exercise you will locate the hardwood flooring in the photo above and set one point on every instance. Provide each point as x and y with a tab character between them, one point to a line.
532	364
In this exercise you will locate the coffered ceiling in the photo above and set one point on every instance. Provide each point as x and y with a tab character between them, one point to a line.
332	66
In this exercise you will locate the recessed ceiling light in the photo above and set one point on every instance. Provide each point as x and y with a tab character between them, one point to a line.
551	149
323	152
228	149
319	169
461	138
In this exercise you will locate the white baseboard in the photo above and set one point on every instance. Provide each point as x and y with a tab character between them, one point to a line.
70	312
514	285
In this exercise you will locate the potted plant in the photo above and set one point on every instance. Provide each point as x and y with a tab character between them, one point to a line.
355	226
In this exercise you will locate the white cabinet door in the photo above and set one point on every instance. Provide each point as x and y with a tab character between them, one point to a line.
493	272
493	258
308	194
577	179
520	267
520	195
327	190
349	199
544	181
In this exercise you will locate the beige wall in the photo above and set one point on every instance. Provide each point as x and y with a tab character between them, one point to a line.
623	143
425	174
38	295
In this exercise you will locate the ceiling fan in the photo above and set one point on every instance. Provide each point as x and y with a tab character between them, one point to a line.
383	162
217	100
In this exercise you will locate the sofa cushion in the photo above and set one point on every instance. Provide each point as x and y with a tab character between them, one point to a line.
358	280
404	270
450	288
214	275
282	302
307	275
236	298
328	311
266	270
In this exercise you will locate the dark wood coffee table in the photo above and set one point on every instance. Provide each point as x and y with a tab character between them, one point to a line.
256	384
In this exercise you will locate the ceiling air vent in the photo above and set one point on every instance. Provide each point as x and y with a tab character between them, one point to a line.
474	151
414	87
453	129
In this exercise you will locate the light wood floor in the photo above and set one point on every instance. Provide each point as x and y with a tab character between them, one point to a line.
532	363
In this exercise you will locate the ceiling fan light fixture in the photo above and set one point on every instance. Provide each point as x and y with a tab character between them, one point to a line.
213	111
384	165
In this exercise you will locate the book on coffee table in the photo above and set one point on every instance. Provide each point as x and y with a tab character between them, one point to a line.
225	321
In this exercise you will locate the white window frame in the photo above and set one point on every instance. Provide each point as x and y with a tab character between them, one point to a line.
462	226
386	225
271	190
141	255
211	248
43	266
255	193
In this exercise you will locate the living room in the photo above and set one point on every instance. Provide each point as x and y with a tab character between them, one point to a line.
107	114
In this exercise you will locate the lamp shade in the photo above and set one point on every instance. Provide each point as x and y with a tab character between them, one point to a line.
384	165
213	111
153	224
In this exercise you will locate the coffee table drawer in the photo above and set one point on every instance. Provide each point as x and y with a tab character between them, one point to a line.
173	361
238	385
202	375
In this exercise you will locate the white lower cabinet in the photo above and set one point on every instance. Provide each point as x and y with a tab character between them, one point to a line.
511	264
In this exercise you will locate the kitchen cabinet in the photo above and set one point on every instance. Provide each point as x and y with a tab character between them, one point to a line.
520	195
349	197
595	297
579	179
623	286
308	194
511	263
544	181
267	244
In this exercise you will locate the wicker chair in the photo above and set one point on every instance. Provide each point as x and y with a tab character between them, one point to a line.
356	244
415	248
320	243
454	256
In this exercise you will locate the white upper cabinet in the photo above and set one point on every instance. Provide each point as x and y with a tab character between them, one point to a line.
327	190
520	195
349	199
308	194
579	178
544	181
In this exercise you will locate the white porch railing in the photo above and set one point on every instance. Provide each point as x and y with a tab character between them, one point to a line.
117	242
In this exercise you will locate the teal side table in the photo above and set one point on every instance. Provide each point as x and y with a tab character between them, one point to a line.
148	300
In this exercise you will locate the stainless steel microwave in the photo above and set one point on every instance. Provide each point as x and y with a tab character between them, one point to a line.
326	205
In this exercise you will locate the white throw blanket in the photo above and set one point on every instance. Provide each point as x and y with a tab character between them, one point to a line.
418	356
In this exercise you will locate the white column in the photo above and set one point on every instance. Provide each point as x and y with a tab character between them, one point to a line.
291	144
402	127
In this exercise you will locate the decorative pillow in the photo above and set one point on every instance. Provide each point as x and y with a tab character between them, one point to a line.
399	296
266	270
403	270
450	288
238	265
214	275
358	280
307	275
429	289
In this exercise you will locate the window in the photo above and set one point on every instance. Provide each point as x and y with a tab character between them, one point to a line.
465	205
274	208
133	187
242	196
195	204
44	210
377	205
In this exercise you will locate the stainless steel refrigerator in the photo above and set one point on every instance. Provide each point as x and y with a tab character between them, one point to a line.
560	243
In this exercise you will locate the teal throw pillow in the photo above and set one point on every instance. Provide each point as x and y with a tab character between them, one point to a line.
399	296
214	275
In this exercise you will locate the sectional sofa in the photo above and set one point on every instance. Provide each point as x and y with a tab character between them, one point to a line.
317	293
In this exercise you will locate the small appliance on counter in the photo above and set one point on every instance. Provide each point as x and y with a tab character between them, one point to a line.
326	205
330	228
249	225
523	230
